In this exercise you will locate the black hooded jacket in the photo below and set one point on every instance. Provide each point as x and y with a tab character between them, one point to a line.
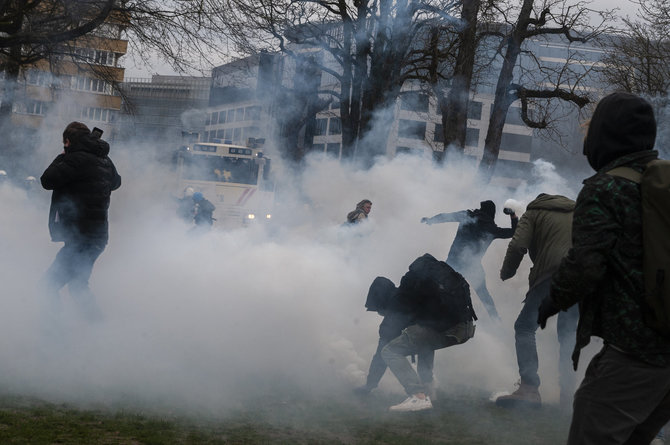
476	230
82	179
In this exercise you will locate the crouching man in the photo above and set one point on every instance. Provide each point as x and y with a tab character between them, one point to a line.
437	298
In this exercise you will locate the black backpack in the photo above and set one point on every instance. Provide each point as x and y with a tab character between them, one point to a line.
434	290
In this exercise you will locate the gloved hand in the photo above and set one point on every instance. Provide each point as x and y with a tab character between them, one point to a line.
547	309
426	220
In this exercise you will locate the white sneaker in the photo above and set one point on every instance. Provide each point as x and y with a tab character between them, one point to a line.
412	403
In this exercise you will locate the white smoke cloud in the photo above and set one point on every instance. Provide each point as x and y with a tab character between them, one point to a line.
198	322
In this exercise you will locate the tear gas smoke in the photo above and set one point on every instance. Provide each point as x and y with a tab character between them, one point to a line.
200	322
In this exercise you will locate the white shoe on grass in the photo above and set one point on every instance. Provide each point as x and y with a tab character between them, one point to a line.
412	403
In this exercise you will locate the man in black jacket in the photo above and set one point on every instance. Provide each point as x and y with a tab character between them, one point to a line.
437	298
476	230
82	178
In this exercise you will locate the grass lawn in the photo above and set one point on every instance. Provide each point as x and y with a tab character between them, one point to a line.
463	417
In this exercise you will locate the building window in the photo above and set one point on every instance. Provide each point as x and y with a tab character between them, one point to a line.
252	113
333	149
30	107
98	114
516	142
514	116
231	116
228	135
335	126
220	135
414	101
411	129
475	110
239	114
472	137
95	56
89	84
318	147
335	105
320	127
237	135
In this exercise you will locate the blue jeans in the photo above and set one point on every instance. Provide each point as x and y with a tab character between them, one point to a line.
526	349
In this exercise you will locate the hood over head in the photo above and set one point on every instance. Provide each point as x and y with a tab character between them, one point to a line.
622	123
380	293
558	203
488	208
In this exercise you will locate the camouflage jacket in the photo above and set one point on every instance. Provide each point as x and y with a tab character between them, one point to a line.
603	270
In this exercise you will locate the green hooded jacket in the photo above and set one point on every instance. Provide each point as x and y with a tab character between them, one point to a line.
544	231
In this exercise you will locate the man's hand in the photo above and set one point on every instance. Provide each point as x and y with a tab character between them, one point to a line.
547	309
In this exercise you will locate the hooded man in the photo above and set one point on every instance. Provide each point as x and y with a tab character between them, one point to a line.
544	231
476	230
625	395
82	178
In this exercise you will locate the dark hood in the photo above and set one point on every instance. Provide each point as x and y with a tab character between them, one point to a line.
488	208
89	144
381	291
622	123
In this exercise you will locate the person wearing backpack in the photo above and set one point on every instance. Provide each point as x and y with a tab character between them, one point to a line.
624	397
544	231
437	298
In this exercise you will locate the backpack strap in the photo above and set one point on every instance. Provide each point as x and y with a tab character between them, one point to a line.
626	173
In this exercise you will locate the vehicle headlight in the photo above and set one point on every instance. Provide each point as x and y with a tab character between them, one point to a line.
268	216
251	216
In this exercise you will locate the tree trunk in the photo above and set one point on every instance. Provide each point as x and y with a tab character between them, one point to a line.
455	108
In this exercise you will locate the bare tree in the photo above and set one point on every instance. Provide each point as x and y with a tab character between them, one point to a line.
637	56
369	47
535	86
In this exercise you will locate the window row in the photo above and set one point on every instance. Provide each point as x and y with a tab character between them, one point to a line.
237	135
252	113
37	107
95	56
323	127
81	83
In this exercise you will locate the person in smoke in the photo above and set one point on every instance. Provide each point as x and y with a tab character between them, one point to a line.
625	395
381	299
185	205
437	300
476	230
203	211
544	231
360	213
82	178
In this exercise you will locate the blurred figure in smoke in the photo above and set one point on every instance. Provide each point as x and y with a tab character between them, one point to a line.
381	299
203	211
360	213
82	178
31	186
185	205
437	300
476	230
544	231
625	395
